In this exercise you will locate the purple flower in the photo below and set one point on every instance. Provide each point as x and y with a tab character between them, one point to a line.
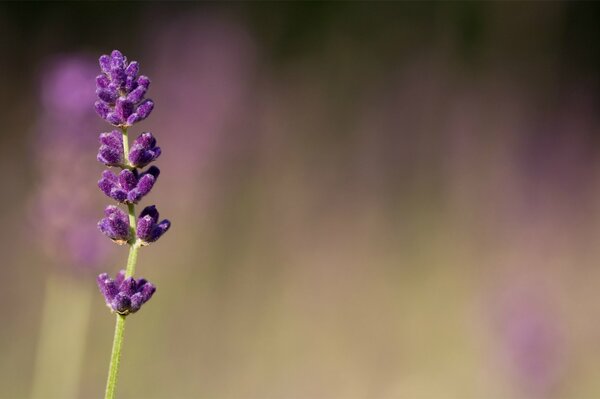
148	227
61	208
125	295
111	150
121	92
143	150
115	225
129	186
121	102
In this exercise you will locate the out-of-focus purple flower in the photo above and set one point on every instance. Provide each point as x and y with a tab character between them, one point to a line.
129	186
143	150
148	227
125	295
111	149
115	225
62	206
530	338
207	100
534	346
121	92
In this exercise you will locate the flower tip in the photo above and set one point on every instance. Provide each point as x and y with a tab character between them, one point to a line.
102	277
165	225
104	62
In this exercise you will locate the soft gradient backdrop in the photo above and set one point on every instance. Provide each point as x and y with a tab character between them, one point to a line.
369	200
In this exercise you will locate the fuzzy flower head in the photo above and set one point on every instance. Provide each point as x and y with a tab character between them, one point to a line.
144	150
115	225
148	227
121	91
129	186
111	148
125	295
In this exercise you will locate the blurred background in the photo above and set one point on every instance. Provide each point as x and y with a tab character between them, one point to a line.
369	200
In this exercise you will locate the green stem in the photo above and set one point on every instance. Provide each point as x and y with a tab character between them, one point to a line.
115	358
134	247
125	146
134	243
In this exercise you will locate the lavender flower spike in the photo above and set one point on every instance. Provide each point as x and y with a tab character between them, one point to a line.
125	295
121	102
115	225
130	186
121	92
148	228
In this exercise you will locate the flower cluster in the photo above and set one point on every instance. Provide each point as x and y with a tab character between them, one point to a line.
143	150
115	225
121	102
121	92
125	295
129	186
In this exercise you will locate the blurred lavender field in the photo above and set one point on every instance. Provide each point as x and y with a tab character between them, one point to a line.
369	200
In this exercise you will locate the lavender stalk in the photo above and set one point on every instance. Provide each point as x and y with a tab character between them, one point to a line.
121	102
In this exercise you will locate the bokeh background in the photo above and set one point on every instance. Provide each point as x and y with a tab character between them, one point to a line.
369	200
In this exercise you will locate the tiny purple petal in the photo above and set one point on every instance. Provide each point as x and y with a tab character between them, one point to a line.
118	76
110	156
107	287
102	109
145	108
140	283
114	118
107	182
133	118
144	226
117	60
145	184
150	211
113	139
145	140
161	229
106	95
124	108
147	180
143	81
128	180
105	63
130	84
137	95
137	300
129	286
120	277
134	196
118	194
102	81
132	69
147	291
